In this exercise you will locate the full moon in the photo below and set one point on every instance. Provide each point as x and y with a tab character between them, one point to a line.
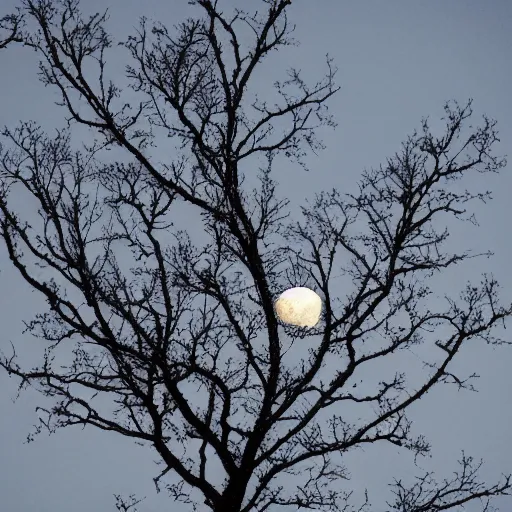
299	306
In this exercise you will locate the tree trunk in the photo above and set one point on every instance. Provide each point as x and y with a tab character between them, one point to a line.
233	496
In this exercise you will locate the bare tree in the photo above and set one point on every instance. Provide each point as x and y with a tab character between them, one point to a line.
185	344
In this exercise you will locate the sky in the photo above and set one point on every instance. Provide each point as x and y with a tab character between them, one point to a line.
398	61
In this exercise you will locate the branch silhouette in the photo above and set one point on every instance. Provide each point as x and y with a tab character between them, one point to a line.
183	341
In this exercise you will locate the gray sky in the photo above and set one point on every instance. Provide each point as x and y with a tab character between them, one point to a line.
398	61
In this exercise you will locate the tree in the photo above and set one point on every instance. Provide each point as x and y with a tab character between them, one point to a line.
185	316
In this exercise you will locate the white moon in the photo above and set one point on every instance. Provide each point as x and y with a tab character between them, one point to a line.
299	306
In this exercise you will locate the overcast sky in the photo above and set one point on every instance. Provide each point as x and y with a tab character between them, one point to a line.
398	61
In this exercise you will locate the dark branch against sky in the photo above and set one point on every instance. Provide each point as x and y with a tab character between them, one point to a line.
399	202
